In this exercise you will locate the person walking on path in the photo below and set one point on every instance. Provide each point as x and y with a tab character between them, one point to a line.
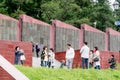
69	56
85	55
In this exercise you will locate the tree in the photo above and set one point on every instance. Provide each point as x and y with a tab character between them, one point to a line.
3	8
74	12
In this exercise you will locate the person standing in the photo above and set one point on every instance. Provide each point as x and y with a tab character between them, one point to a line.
85	55
51	58
44	57
32	47
91	55
70	53
96	58
37	47
22	57
17	55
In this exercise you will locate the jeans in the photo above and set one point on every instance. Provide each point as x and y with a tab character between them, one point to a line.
42	62
85	63
45	63
69	63
97	67
16	60
49	64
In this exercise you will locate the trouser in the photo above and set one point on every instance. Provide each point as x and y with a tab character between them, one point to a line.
49	64
16	60
45	63
42	62
85	63
69	63
37	53
22	62
97	67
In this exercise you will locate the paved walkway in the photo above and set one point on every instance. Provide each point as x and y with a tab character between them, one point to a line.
36	62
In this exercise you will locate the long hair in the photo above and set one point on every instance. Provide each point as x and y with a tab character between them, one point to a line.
44	47
52	49
96	48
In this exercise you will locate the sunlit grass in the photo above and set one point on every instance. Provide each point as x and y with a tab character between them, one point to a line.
65	74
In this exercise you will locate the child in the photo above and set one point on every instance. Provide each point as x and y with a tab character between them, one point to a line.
91	55
22	57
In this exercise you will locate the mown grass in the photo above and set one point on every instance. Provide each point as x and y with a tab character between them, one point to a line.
65	74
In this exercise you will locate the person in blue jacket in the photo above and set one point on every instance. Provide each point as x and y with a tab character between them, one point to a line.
17	55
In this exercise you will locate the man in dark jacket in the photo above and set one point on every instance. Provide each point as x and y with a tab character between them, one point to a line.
112	62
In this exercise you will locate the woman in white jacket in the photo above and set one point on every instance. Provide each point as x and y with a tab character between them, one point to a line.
96	58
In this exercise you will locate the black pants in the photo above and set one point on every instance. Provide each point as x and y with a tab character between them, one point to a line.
37	53
21	62
49	64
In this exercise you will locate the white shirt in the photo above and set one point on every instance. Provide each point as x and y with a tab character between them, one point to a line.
97	54
70	53
85	51
51	56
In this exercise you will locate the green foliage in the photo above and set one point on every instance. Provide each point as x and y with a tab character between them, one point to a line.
74	12
65	74
3	9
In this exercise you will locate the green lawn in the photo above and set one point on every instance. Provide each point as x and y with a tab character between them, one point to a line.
64	74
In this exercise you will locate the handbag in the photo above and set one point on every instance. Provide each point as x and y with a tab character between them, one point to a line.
96	59
22	57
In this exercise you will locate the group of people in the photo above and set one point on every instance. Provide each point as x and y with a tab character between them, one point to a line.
85	55
19	56
48	58
90	58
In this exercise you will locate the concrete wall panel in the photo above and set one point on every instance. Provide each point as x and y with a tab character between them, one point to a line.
8	28
65	36
94	37
114	40
36	31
